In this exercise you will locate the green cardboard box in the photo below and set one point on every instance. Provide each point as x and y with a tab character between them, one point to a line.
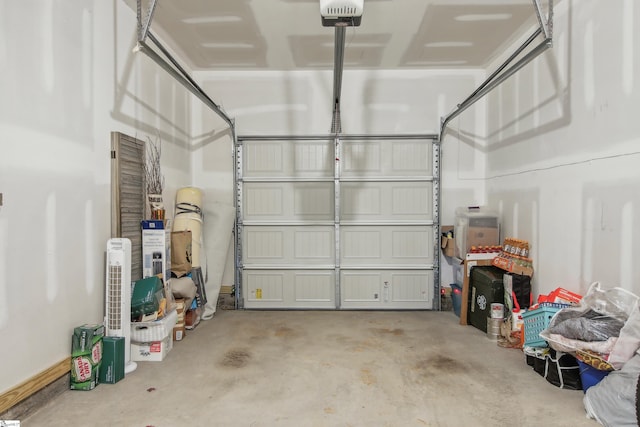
112	365
86	355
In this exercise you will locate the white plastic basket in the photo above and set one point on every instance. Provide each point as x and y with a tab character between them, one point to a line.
157	330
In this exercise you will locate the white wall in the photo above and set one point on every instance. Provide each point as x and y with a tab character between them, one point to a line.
69	78
464	169
372	102
563	150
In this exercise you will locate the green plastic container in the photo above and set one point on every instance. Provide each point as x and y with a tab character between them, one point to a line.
146	296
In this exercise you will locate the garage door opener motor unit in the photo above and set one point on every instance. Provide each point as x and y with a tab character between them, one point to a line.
341	13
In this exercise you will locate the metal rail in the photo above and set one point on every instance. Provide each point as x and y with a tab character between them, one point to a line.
502	72
338	66
172	67
347	137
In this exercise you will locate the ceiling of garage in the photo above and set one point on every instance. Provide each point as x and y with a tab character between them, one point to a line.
288	34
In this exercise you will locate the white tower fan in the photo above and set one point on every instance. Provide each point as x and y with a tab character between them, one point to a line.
117	320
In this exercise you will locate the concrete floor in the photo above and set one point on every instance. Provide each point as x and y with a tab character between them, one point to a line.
351	368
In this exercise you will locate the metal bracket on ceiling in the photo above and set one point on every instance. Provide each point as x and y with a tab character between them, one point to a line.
143	26
546	22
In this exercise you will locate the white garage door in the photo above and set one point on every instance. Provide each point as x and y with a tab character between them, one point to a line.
344	223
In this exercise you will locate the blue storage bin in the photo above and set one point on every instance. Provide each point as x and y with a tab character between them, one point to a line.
590	376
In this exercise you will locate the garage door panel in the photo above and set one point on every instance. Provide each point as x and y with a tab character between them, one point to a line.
361	201
311	289
313	201
382	201
289	201
265	159
279	159
280	245
410	158
410	244
386	245
390	158
316	244
358	237
361	245
361	158
265	286
360	287
264	201
264	245
386	289
411	200
413	286
316	287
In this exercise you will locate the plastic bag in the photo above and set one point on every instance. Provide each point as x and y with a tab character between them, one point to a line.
612	402
586	325
615	302
571	346
184	287
602	316
628	342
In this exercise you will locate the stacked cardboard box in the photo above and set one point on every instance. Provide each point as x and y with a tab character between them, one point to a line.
156	249
154	351
446	240
151	341
112	366
475	226
86	355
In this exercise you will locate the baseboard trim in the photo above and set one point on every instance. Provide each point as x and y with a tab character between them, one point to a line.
34	384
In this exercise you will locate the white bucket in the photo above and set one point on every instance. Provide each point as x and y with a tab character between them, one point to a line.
497	310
